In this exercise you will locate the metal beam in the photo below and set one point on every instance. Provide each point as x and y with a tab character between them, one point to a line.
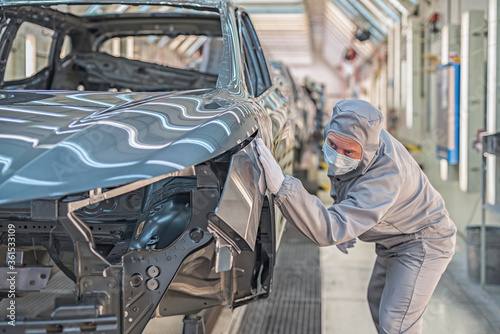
388	10
352	15
402	9
368	16
383	18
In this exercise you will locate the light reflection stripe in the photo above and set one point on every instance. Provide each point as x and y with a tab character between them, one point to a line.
80	97
89	161
184	110
221	123
33	182
199	102
67	131
55	129
22	138
165	163
35	112
203	143
185	114
164	120
64	105
234	114
241	187
131	176
12	120
81	123
132	136
133	142
125	97
6	161
166	125
46	127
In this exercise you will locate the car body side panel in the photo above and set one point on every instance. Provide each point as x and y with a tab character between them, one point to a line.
243	195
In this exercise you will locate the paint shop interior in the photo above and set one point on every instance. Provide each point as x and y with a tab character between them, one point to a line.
132	198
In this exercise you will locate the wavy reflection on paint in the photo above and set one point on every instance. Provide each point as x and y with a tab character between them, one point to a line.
34	141
210	148
134	142
34	182
55	129
6	161
183	110
35	112
81	98
165	122
133	136
125	97
12	120
165	163
221	123
62	105
84	156
129	177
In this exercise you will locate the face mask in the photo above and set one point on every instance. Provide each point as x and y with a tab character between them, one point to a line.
339	164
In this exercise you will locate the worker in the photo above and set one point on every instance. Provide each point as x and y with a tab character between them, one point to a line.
380	195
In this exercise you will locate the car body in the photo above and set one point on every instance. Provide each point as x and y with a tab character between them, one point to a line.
304	107
129	182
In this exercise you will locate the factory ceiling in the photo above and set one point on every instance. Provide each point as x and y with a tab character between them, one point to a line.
293	30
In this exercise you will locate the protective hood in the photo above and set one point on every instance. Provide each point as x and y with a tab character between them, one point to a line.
362	122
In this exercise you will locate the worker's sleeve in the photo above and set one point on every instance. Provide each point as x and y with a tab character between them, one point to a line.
366	203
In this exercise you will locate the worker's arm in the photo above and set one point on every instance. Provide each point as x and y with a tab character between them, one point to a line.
323	226
367	202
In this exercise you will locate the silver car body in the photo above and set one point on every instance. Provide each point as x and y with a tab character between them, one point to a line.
157	197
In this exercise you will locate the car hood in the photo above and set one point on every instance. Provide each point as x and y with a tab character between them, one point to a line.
58	143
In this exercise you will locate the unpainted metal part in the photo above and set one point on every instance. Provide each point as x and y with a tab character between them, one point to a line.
33	278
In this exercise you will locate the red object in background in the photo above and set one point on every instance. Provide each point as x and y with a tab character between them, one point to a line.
350	54
434	17
433	20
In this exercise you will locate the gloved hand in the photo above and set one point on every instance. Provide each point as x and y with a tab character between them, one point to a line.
272	171
347	244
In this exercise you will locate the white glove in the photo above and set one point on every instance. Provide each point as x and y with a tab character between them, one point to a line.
347	244
272	171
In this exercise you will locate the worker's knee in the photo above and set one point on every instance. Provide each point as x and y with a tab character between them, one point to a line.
390	321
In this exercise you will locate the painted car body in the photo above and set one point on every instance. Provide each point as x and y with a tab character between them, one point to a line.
303	106
139	196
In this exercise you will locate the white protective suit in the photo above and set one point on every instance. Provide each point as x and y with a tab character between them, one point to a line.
387	200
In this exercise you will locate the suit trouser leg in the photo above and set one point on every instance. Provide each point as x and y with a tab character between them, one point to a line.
412	272
376	288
